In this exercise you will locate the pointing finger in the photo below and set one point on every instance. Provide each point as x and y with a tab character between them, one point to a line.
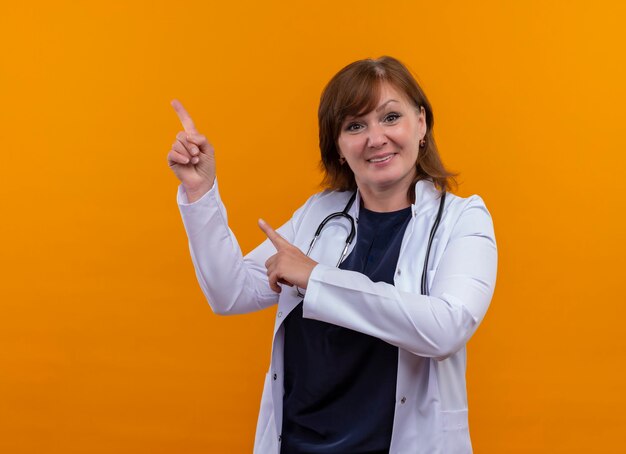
183	116
278	241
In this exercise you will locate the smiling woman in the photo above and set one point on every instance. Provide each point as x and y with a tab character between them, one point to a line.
384	87
381	149
371	358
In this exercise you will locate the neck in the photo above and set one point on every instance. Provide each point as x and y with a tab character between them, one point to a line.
384	201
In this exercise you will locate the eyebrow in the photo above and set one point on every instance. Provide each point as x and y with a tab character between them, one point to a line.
383	105
378	109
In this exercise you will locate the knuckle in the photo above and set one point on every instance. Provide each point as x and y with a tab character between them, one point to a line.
196	137
180	150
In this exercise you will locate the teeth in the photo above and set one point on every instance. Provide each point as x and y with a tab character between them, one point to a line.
387	158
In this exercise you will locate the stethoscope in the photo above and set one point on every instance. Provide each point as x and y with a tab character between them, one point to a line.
344	214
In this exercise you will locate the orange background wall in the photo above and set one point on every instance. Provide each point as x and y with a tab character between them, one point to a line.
106	342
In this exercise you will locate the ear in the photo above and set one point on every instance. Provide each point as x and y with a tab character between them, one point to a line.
421	121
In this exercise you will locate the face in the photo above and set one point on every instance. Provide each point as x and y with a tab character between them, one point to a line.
381	146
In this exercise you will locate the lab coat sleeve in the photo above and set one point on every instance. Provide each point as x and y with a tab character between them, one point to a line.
434	326
232	283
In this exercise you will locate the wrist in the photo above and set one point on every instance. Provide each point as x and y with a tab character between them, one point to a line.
194	194
311	266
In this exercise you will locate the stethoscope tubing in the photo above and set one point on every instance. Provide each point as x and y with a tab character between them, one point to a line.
343	214
430	243
351	235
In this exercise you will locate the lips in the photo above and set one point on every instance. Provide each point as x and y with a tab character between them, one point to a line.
381	158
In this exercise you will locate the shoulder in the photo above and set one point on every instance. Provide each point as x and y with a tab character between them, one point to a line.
326	201
309	216
460	213
469	216
331	196
428	197
461	204
320	204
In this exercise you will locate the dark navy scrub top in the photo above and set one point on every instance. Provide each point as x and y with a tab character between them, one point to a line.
340	384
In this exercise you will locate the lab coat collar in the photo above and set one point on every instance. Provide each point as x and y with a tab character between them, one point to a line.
426	197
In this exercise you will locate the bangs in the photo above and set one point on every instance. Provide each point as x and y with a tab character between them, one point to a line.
357	95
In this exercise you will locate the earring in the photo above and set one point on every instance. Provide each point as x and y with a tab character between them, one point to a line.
342	160
422	143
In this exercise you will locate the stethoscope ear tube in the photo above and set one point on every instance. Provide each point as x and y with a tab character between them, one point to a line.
430	243
318	232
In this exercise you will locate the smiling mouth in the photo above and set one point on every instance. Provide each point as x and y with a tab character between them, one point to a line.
383	159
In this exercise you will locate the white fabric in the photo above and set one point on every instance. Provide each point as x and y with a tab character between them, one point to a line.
430	331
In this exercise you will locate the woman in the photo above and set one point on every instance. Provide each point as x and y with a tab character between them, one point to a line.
369	355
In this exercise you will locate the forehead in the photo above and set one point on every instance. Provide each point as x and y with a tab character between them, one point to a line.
389	92
376	98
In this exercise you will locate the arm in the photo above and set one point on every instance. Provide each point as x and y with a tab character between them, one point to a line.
232	284
433	326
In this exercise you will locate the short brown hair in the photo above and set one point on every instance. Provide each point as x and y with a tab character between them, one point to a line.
355	91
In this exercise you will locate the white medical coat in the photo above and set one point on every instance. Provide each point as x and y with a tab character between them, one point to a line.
429	331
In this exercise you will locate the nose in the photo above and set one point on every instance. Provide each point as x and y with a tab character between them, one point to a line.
376	136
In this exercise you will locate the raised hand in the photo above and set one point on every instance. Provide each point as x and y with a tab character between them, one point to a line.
289	266
192	157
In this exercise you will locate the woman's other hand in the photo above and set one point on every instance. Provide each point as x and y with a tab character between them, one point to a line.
289	265
191	158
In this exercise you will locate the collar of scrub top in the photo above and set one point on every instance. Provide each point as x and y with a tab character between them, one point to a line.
423	188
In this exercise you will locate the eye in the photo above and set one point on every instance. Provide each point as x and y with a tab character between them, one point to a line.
353	127
391	117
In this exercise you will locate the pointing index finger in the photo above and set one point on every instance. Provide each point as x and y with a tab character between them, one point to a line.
278	241
183	116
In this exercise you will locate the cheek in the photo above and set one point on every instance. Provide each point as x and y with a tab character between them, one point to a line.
347	145
410	143
341	144
408	134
